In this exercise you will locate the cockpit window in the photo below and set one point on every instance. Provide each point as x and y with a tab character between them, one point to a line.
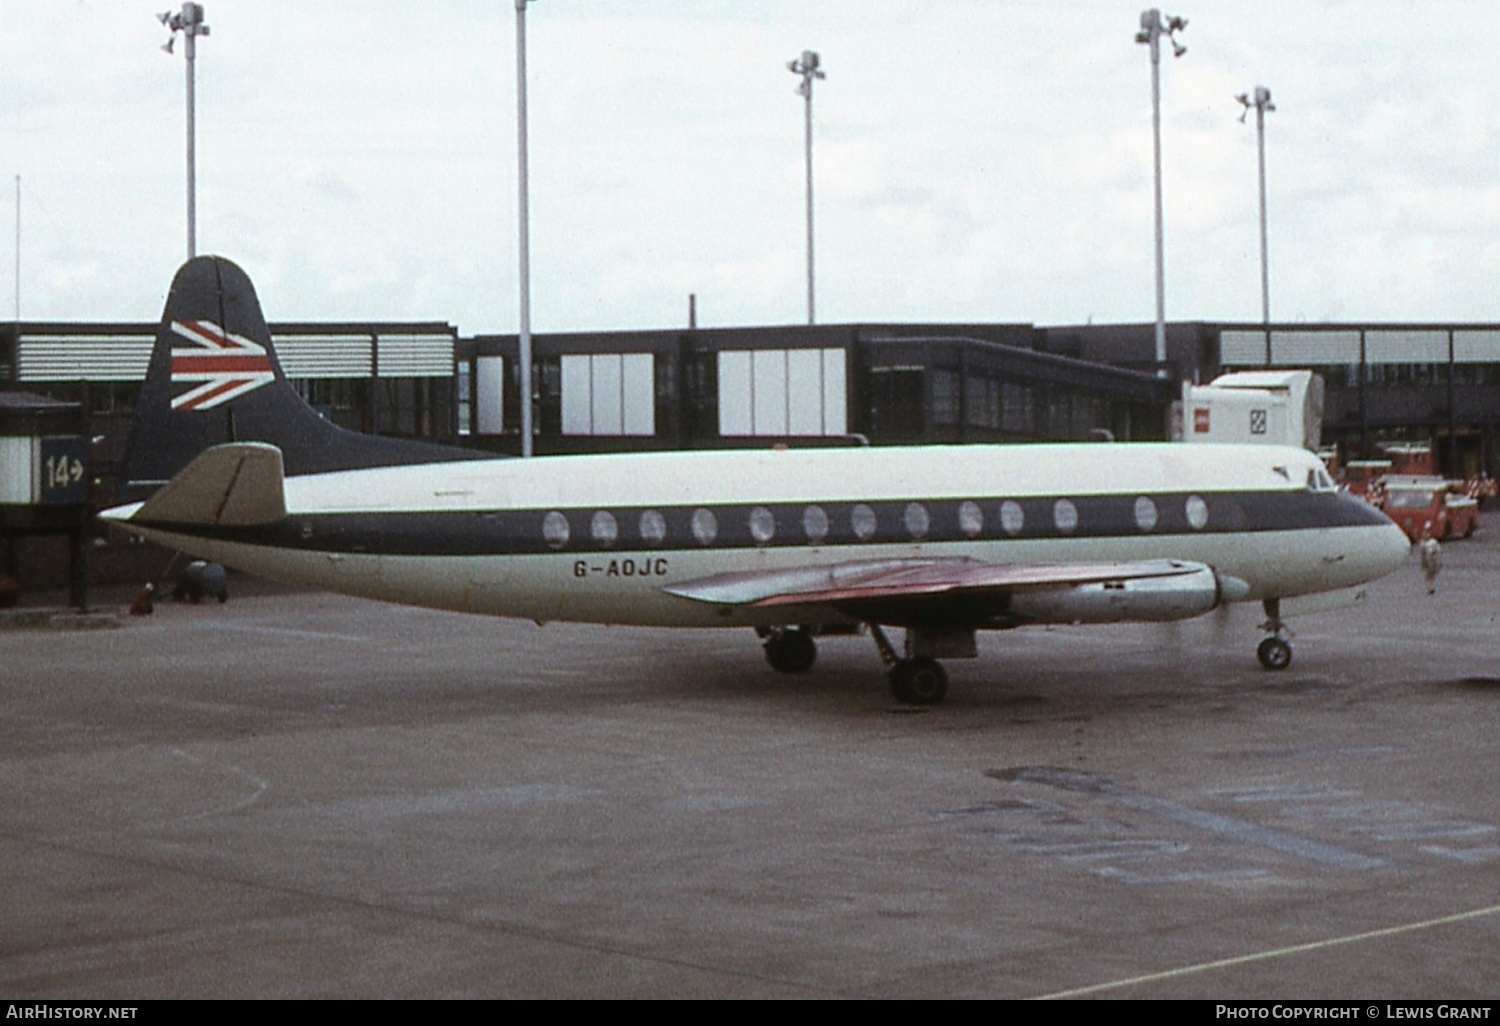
1319	481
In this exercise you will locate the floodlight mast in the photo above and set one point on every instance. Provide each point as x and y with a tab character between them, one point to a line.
18	256
808	67
189	21
523	228
1262	103
1152	28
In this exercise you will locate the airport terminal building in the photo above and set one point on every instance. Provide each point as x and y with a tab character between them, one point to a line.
1433	383
826	384
878	384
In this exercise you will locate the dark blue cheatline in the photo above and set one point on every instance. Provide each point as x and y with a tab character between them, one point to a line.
792	525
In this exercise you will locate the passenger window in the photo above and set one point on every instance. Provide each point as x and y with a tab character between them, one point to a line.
705	526
605	529
555	529
815	523
916	520
653	527
970	519
1065	516
762	525
1145	514
1012	517
1197	512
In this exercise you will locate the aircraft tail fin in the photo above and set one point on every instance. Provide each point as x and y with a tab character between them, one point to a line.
214	378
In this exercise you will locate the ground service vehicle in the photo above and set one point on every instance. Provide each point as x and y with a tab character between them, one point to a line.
1431	504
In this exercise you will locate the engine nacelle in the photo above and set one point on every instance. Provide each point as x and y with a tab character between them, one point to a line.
1153	599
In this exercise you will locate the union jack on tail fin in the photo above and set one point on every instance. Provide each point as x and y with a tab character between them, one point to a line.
214	378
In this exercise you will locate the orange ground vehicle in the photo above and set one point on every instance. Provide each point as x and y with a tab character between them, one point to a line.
1412	458
1430	503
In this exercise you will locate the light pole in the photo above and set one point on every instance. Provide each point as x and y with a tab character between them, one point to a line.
189	21
807	67
1152	28
523	227
18	255
1262	103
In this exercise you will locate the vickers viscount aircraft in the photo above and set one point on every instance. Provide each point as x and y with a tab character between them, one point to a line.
233	466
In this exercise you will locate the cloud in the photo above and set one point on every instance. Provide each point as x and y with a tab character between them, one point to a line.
974	160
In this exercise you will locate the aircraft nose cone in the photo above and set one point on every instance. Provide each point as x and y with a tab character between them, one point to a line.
1394	548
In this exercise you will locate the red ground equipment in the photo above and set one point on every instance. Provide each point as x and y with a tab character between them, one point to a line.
1432	504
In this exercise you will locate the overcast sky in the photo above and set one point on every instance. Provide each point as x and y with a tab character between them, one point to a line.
975	160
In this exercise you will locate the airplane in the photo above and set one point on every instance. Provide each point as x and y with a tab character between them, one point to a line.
228	463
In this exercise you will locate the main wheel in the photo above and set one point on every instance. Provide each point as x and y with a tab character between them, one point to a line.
791	650
919	681
1274	654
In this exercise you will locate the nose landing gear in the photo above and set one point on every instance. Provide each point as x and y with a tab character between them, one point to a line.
1275	652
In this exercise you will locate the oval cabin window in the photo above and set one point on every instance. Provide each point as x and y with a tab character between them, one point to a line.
605	529
705	526
555	529
762	525
653	527
1012	517
1065	516
815	523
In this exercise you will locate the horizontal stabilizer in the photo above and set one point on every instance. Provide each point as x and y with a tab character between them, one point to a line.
234	485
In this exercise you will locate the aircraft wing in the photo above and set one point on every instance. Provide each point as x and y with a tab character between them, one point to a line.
967	591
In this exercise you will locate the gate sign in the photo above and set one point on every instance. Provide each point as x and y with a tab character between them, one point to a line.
64	470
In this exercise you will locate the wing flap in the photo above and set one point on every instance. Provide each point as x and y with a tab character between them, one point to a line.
796	584
241	484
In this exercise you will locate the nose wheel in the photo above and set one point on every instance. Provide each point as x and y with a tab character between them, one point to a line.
1275	652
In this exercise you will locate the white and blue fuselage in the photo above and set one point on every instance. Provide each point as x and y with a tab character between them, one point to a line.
600	538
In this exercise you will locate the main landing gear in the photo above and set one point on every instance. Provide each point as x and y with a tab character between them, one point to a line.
914	681
921	680
1275	652
791	649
